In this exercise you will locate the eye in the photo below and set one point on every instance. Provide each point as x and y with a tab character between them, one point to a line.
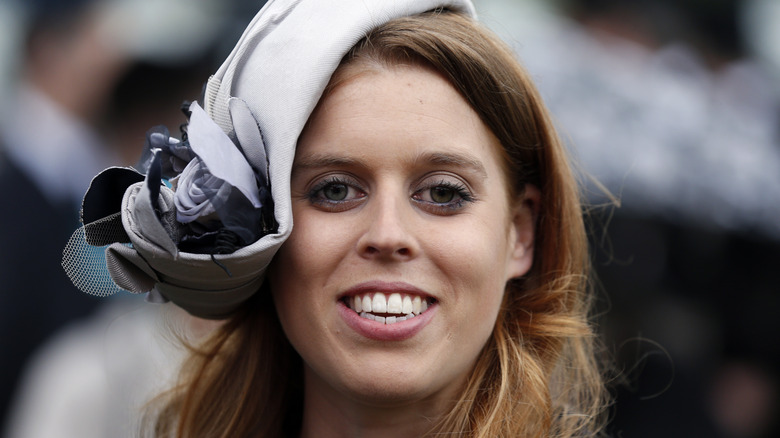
335	193
443	196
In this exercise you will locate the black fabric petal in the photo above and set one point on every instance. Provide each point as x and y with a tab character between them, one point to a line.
104	196
100	211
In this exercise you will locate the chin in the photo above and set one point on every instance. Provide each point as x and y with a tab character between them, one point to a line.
387	394
392	383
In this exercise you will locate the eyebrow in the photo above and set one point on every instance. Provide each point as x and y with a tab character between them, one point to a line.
318	161
455	160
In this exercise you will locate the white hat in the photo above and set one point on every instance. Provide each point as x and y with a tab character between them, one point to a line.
261	98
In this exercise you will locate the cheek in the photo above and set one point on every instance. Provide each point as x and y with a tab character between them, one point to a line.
303	266
476	253
473	267
291	285
311	249
287	287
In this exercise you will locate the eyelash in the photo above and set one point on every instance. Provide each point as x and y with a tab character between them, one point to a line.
317	197
463	195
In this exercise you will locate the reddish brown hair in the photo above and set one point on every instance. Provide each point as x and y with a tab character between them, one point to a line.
537	375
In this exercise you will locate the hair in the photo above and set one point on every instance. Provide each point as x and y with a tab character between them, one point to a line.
537	376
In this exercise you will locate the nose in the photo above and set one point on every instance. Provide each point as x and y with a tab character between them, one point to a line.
389	231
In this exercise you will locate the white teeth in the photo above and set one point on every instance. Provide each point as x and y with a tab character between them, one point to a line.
379	303
416	305
406	307
394	303
403	307
366	303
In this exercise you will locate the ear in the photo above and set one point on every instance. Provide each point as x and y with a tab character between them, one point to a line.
524	216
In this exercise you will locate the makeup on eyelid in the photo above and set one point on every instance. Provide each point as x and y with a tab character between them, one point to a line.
336	192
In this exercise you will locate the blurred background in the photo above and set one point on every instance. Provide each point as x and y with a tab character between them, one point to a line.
671	109
673	106
81	81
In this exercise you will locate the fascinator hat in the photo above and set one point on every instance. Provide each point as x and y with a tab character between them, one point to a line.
201	218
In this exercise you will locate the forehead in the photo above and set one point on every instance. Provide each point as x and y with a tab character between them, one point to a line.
394	110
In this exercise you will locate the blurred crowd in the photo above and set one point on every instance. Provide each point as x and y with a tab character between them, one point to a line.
81	81
672	112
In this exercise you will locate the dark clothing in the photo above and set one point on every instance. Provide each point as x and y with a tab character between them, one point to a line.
36	297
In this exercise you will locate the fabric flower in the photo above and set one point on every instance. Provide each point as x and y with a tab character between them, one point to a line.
197	193
218	190
178	154
177	228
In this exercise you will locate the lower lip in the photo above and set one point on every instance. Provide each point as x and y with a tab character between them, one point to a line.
398	331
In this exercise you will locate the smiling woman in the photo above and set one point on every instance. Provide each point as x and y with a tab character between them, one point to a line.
435	282
382	189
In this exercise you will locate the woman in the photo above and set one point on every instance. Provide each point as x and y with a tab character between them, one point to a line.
435	280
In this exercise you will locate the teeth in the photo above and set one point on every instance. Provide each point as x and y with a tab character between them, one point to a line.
385	320
407	305
400	307
366	303
416	305
394	303
379	303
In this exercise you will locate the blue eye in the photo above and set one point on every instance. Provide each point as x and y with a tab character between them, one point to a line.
335	193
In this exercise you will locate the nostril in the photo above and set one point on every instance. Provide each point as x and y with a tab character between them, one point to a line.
378	251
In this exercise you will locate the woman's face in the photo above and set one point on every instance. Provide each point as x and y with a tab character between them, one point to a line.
404	239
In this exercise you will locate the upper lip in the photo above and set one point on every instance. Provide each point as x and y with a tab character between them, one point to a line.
384	287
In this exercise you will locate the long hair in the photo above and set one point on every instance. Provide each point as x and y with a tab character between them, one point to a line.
537	376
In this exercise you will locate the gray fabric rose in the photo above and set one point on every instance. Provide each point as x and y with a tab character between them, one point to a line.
198	193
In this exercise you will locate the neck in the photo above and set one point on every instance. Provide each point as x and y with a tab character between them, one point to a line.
329	413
